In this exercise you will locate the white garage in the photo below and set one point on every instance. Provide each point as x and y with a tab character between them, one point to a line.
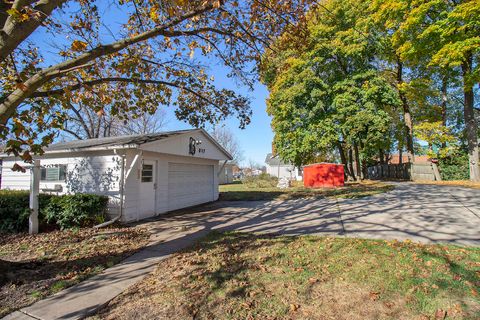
144	175
189	184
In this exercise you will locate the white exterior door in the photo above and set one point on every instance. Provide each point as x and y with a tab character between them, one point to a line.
147	189
189	185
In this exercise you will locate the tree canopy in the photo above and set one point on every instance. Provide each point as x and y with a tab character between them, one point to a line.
127	56
359	76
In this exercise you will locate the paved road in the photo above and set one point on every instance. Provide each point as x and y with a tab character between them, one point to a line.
426	213
423	213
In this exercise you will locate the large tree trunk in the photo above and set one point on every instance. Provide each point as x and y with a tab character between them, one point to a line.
357	162
444	104
344	160
407	117
470	122
13	32
381	156
350	163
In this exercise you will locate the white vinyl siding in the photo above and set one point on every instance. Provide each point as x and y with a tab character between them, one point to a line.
98	174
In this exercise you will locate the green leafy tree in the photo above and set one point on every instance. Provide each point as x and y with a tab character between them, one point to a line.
446	34
325	91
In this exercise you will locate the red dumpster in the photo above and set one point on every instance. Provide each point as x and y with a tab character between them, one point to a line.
320	175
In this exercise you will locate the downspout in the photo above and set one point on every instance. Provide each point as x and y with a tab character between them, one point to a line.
121	191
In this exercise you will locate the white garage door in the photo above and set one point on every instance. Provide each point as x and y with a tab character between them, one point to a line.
189	185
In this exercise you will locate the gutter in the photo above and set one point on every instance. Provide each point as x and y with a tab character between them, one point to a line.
121	191
62	151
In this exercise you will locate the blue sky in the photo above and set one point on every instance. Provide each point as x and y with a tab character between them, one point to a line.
255	140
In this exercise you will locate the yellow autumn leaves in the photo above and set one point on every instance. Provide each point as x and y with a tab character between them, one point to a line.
78	46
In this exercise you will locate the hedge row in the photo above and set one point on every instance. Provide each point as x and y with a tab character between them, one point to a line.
64	211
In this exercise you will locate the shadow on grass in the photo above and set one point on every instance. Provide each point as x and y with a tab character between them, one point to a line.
230	270
350	191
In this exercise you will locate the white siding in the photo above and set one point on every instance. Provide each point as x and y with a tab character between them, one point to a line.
132	183
179	145
98	174
15	180
284	171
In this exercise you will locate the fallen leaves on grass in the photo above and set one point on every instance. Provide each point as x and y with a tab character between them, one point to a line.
35	266
245	276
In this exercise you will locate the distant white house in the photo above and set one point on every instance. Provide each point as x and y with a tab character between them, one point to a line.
276	167
144	175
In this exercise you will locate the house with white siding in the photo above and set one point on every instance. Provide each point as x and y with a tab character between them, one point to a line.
143	175
278	168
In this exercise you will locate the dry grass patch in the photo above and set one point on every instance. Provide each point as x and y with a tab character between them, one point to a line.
35	266
245	276
242	192
458	183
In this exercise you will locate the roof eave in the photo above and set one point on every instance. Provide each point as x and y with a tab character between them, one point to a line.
90	149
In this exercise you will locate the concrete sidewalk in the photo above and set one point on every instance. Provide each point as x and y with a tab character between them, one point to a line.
87	297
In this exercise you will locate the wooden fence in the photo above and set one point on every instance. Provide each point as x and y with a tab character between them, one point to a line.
405	171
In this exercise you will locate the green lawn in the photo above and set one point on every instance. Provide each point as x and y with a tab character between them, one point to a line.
244	276
241	191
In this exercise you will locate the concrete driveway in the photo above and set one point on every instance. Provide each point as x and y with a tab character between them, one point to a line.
418	212
425	213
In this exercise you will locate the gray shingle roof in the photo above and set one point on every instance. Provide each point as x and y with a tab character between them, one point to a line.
274	160
114	141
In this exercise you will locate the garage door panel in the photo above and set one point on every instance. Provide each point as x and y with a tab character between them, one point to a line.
189	184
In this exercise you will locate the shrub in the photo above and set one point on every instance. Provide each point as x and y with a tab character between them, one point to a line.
454	166
77	210
263	180
14	209
65	211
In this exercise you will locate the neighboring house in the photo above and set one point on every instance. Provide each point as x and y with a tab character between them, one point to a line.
225	175
395	158
276	167
161	172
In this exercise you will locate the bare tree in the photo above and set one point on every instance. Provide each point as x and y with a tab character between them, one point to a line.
145	123
84	122
227	140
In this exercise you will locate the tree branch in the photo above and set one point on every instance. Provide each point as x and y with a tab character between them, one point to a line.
15	32
9	103
43	94
72	133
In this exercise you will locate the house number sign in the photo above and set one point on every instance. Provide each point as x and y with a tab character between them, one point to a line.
192	146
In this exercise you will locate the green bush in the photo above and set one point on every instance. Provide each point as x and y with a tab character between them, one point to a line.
14	209
77	210
454	166
263	180
65	211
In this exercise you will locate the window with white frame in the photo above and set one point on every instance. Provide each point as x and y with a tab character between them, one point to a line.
54	173
147	173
